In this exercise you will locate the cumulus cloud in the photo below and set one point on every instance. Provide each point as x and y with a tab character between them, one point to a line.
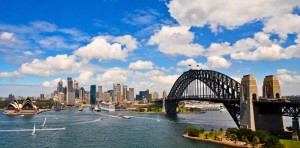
283	25
52	66
217	62
229	14
28	53
177	40
289	84
139	65
101	48
7	36
191	63
10	74
53	83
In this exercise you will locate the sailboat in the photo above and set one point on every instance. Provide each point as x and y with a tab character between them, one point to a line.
44	122
33	131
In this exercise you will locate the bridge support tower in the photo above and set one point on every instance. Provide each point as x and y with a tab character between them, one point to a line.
295	126
170	106
269	117
248	94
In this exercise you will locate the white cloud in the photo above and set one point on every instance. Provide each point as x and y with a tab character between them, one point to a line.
86	78
52	66
139	65
229	14
56	42
283	25
285	71
28	53
10	74
176	41
44	26
180	70
7	36
217	62
100	48
53	83
289	84
192	64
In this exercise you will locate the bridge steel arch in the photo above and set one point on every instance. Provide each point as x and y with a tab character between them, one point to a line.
226	90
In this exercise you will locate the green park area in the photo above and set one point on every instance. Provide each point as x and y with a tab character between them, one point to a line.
290	143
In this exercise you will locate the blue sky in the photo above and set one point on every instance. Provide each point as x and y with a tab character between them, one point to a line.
145	43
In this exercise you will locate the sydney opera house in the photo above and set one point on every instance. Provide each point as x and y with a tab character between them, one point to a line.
26	108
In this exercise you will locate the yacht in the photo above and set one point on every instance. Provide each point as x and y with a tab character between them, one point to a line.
44	122
33	131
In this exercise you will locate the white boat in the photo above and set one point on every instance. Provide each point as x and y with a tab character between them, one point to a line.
33	131
97	109
43	125
107	107
126	117
222	109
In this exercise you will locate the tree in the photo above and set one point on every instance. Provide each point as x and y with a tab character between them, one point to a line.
263	136
289	128
234	138
272	141
202	130
206	136
221	129
245	139
191	131
215	137
212	130
255	141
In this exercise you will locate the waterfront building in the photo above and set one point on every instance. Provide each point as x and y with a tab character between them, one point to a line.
143	95
119	96
65	93
125	92
93	94
87	97
26	108
155	95
61	97
116	89
131	94
107	97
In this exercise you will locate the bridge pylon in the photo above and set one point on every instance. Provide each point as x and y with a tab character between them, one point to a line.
248	94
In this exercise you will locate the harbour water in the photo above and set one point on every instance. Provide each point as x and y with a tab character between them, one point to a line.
105	129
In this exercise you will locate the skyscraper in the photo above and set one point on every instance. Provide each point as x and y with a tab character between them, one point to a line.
131	94
116	89
76	89
100	94
155	95
60	86
125	92
70	92
93	94
81	93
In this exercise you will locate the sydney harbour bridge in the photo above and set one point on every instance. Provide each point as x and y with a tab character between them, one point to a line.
240	99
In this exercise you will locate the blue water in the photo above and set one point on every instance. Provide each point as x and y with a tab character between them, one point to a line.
103	129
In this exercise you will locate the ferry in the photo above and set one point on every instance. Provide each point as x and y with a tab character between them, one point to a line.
97	109
107	107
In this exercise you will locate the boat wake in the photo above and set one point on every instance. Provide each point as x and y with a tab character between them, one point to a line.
26	130
84	122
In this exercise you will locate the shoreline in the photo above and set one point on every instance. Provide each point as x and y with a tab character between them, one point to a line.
224	142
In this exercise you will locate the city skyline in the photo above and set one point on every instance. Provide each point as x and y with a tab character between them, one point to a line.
145	45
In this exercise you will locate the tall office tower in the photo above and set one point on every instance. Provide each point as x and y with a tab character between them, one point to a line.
70	92
147	95
87	97
164	96
116	89
81	93
119	96
61	97
60	86
11	97
106	97
100	94
131	94
76	89
93	94
42	96
155	95
125	92
65	94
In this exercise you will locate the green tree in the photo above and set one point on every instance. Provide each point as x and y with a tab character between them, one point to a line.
234	138
255	141
212	130
191	131
221	129
206	136
263	136
245	139
289	128
202	130
271	142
